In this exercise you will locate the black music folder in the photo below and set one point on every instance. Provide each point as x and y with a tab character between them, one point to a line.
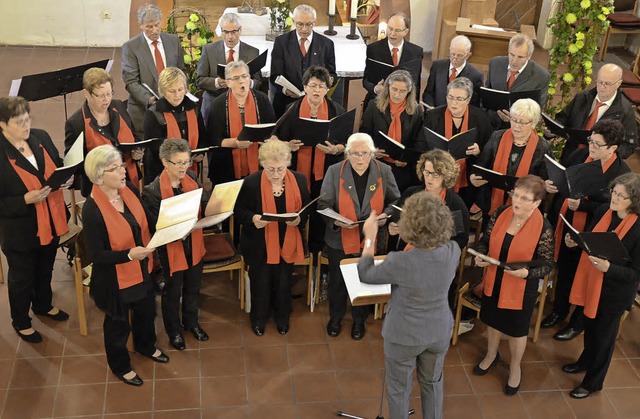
497	100
575	135
395	149
496	179
256	132
60	176
315	131
604	245
255	65
456	145
377	70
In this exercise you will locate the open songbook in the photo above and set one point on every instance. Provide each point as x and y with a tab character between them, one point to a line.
70	164
317	131
456	145
128	147
377	70
510	266
395	149
177	217
359	292
221	202
576	181
497	100
287	216
254	65
328	212
580	136
604	245
256	132
282	81
496	179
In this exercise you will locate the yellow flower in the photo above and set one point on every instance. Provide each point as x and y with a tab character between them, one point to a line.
201	41
571	18
190	25
187	59
194	17
185	44
579	36
587	80
589	71
288	21
585	4
580	44
281	1
566	77
573	48
551	91
605	10
602	17
587	65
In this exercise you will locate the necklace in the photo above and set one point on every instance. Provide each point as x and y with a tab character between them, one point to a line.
22	147
115	200
280	191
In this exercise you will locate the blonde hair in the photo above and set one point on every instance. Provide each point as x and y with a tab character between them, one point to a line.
98	159
274	150
168	76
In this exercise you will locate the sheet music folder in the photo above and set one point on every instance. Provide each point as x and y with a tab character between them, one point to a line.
605	245
362	294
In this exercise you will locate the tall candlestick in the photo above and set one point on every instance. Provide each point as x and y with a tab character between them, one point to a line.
354	9
332	7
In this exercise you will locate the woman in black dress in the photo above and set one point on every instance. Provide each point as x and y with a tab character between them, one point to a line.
516	232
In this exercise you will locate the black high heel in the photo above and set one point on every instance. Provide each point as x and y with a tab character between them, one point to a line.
477	370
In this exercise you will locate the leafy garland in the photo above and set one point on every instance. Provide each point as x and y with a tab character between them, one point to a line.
280	11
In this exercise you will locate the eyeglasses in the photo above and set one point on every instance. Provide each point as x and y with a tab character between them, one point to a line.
618	194
428	173
21	122
514	195
108	95
240	77
457	99
273	170
301	25
116	168
595	145
233	32
517	122
180	163
607	83
392	30
314	86
360	154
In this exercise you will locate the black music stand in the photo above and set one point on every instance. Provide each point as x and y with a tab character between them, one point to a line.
56	83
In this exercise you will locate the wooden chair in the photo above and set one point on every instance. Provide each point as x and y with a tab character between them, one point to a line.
1	271
307	261
623	21
313	286
233	263
464	300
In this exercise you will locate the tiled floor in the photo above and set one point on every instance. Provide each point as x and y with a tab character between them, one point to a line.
304	374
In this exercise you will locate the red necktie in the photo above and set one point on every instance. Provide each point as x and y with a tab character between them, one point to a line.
512	78
594	115
303	49
230	57
394	56
453	74
158	57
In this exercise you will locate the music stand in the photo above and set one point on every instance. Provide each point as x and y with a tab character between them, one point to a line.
56	83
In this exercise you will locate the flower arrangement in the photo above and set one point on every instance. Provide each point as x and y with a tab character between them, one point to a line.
193	36
280	15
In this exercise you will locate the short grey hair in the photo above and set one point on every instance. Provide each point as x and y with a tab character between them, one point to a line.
172	146
98	159
359	137
461	83
527	108
520	40
233	65
304	8
230	18
274	150
149	13
461	40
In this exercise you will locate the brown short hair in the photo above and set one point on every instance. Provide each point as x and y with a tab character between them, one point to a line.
172	146
533	184
95	77
12	106
426	222
443	163
631	182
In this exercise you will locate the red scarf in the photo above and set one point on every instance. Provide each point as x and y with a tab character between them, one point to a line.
245	161
579	220
173	130
124	135
292	250
587	283
523	247
501	162
395	128
443	194
351	243
461	182
175	250
305	152
51	209
120	234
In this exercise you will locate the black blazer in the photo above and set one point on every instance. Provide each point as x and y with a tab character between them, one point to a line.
221	160
248	204
18	221
434	120
576	113
435	93
380	51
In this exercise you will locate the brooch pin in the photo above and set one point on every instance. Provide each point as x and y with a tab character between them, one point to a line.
372	188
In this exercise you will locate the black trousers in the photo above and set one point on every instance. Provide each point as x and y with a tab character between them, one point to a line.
567	265
338	290
599	342
185	284
29	282
116	333
270	283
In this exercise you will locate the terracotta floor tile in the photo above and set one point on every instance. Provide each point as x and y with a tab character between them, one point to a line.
223	334
238	412
500	406
536	376
25	403
6	366
545	404
122	398
271	336
83	369
8	344
455	380
223	391
636	365
176	394
452	357
460	406
365	408
352	355
359	384
565	381
307	358
272	412
144	367
52	344
621	374
307	330
35	372
596	406
3	393
318	410
492	382
221	361
76	400
183	364
142	415
269	359
77	344
315	387
625	401
177	414
270	388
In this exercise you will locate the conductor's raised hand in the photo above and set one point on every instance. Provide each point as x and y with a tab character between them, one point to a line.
370	227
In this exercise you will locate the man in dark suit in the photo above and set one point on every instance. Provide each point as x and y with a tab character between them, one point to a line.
143	58
444	71
516	73
393	50
295	51
601	102
230	48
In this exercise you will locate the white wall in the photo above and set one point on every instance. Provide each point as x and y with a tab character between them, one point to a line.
423	23
64	22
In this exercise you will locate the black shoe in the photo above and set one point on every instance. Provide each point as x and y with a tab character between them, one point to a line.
477	370
579	393
199	333
333	328
573	368
60	316
34	337
567	333
135	381
357	331
282	329
177	342
162	358
258	330
511	391
550	321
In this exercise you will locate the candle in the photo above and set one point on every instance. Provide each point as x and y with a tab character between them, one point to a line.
332	7
354	9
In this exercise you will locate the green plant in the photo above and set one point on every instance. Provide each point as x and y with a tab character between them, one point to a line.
280	15
193	36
